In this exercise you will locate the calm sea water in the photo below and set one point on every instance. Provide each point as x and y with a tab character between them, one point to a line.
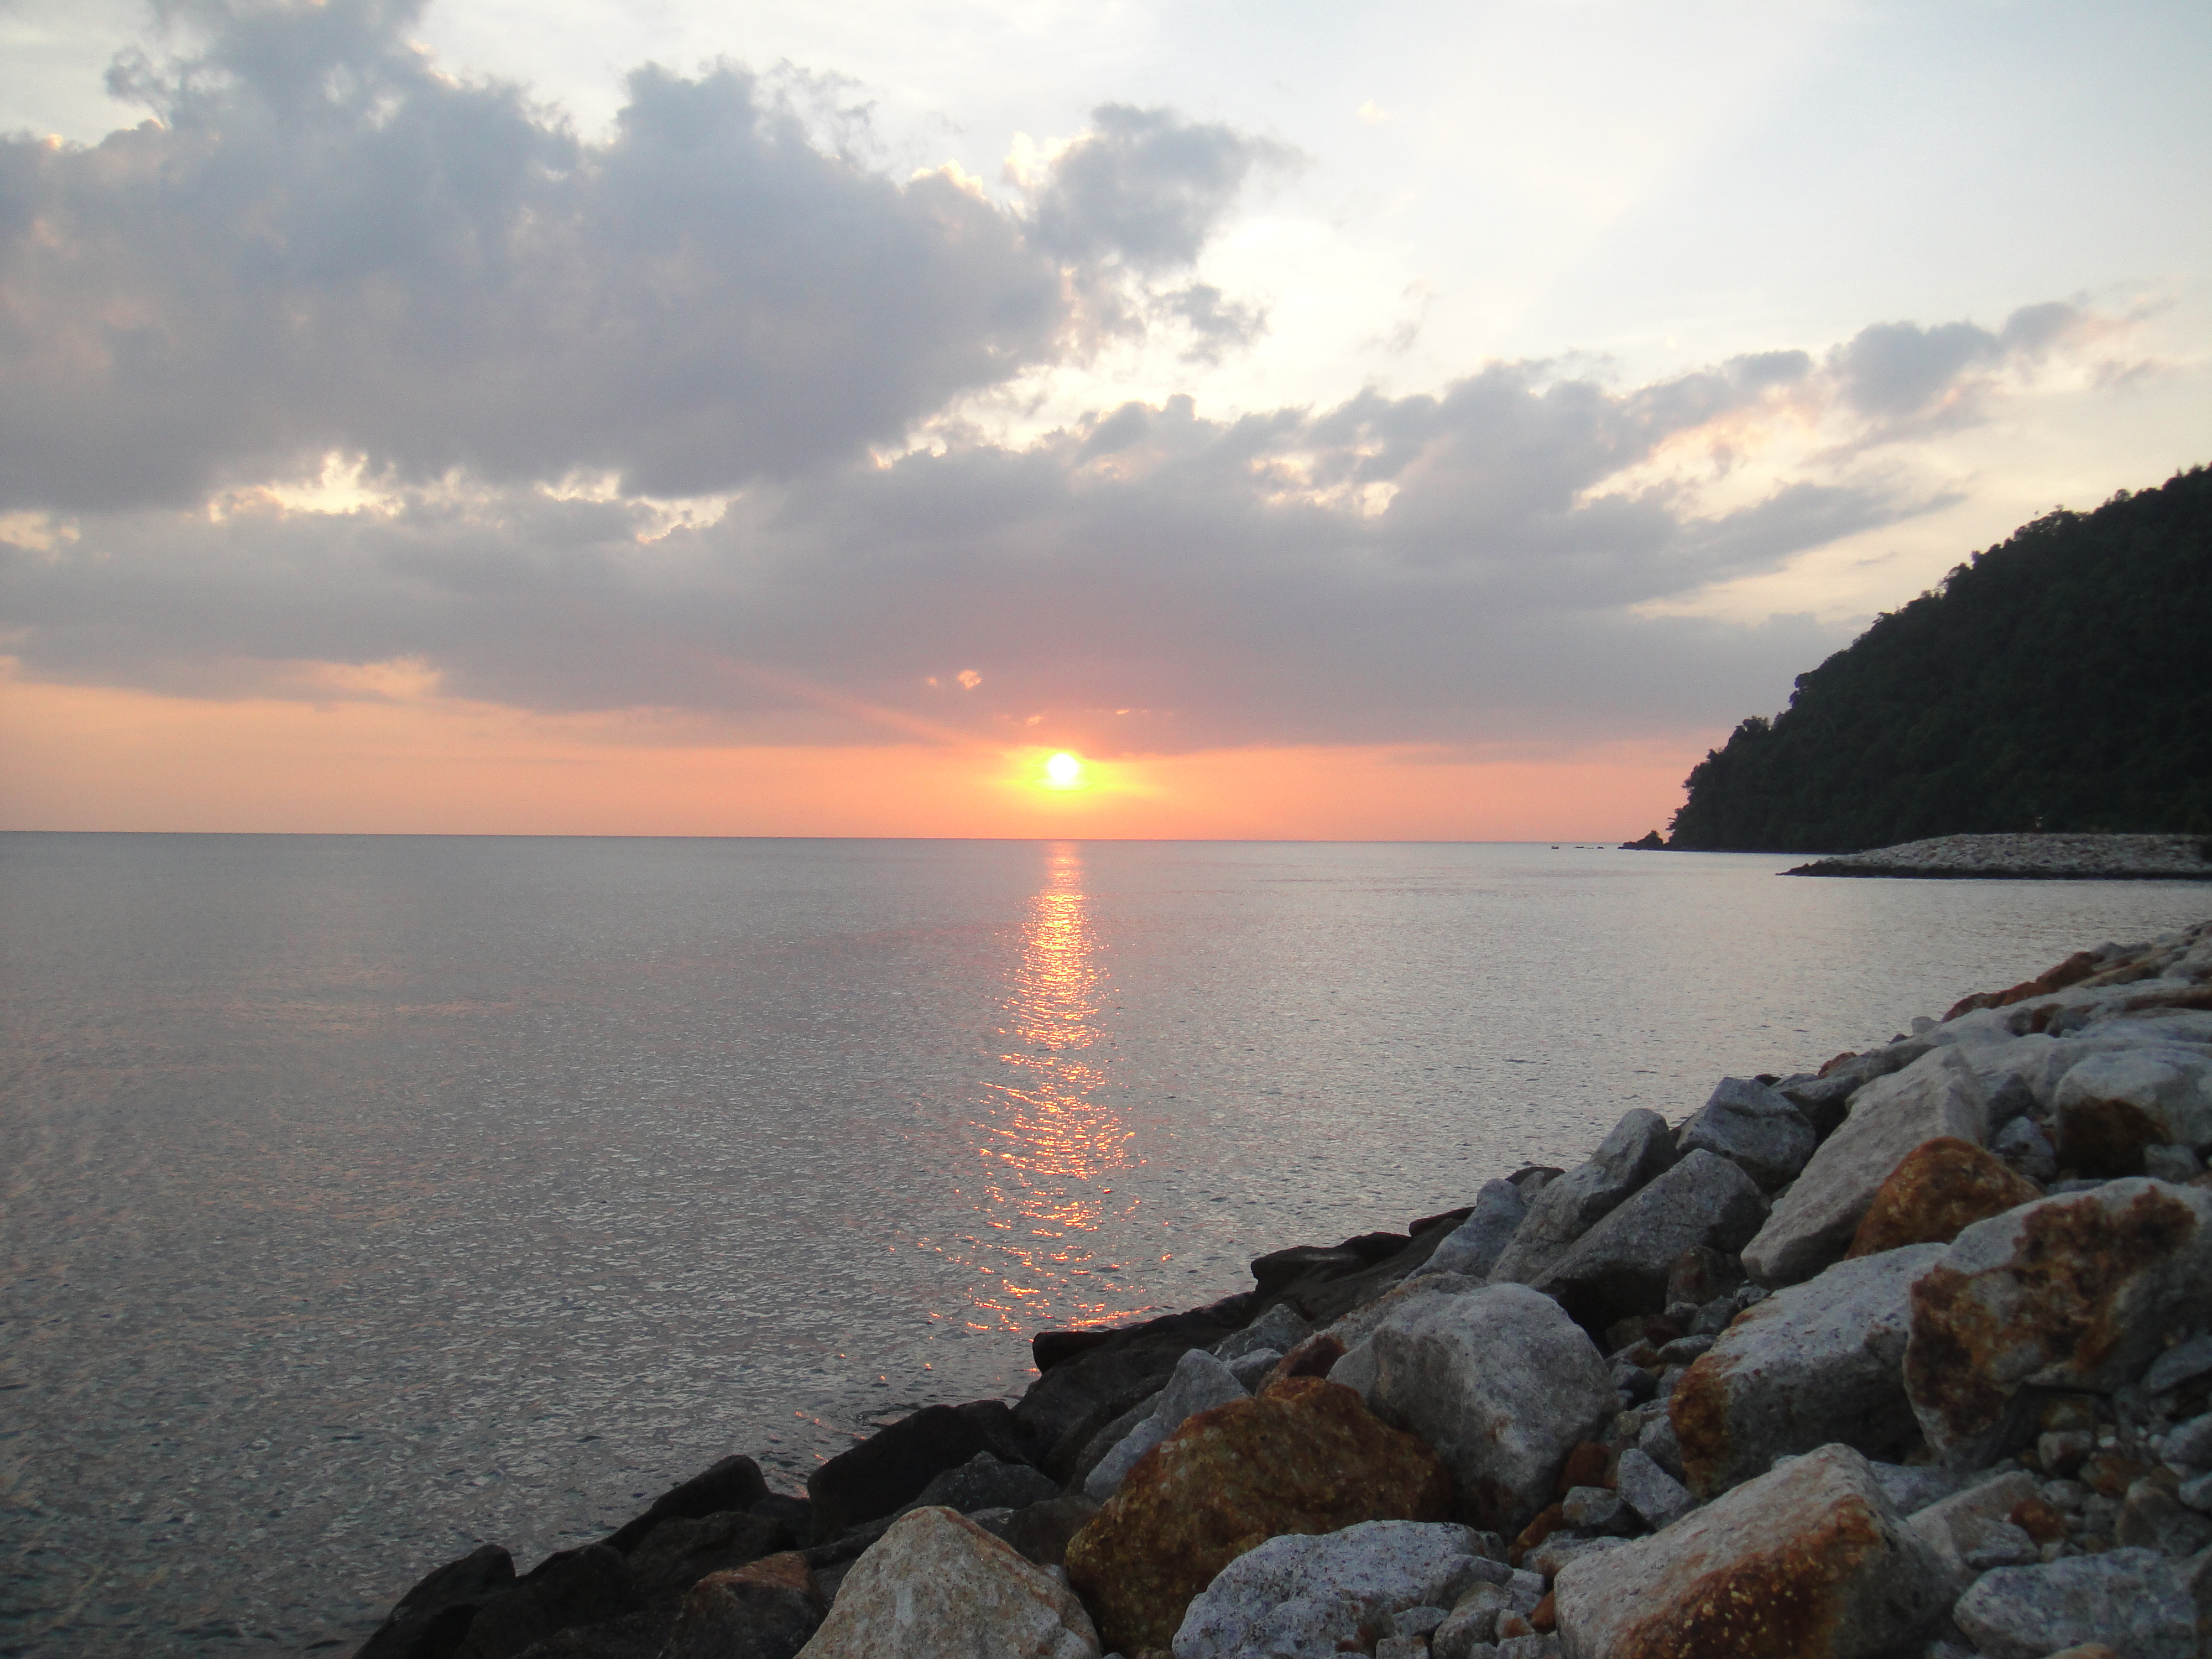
367	1199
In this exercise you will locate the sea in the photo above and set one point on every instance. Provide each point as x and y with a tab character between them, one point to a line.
367	1199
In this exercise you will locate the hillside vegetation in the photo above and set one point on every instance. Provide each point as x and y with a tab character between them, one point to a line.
2062	681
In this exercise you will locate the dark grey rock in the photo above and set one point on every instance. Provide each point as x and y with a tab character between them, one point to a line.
1280	1328
984	1482
2184	1362
890	1467
735	1483
2023	1146
587	1586
1754	1128
678	1553
1065	1407
1640	1147
2133	1599
1041	1532
1620	1265
729	1616
640	1635
429	1621
1596	1511
2152	1518
2190	1443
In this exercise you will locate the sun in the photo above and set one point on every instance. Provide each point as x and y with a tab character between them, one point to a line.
1063	771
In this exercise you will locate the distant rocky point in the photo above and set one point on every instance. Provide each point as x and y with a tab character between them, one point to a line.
2031	857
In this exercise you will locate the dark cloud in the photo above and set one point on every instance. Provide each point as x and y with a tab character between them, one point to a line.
1459	569
320	243
1894	371
1145	188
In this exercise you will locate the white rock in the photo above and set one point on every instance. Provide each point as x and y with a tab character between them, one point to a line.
2131	1599
1640	1146
1653	1493
1813	1222
2156	1092
1955	1527
1753	1128
1200	1383
1500	1383
1817	1364
1297	1597
1476	1243
936	1586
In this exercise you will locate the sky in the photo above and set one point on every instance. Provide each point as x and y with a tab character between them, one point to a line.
1423	421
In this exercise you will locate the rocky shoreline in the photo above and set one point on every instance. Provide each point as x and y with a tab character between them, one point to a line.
2030	858
1908	1357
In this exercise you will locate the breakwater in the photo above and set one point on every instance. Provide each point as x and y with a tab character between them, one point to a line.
1911	1354
2030	858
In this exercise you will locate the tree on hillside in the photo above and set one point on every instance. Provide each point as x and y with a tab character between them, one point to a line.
2061	681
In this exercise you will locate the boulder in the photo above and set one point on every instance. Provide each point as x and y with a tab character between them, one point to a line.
735	1483
2135	1600
678	1553
2025	1149
2111	1105
1818	1363
1280	1328
1306	1457
768	1609
1090	1386
936	1586
890	1467
1313	1598
576	1587
1808	1561
1754	1128
1199	1383
1501	1383
985	1483
1359	1324
1474	1246
429	1621
1041	1532
1824	1098
2073	1292
1619	1267
1959	1525
1640	1146
1657	1497
1812	1224
640	1635
1941	1188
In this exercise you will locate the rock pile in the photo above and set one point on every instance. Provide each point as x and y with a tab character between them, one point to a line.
1910	1358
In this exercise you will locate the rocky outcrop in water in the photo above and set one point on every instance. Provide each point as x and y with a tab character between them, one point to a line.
1910	1358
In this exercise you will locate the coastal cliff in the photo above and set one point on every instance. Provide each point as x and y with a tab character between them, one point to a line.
2057	682
1908	1355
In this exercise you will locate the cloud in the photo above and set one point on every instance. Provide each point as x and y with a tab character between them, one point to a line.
319	242
528	353
1901	375
1145	188
1460	569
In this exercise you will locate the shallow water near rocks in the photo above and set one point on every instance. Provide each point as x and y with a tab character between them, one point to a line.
368	1198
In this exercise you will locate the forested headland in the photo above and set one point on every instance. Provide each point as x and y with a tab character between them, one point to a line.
2060	681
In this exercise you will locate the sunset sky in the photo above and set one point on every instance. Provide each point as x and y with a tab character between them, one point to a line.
1403	420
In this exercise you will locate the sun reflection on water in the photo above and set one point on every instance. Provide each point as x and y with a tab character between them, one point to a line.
1052	1146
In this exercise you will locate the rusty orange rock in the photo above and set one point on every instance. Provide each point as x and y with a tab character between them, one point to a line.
2072	1292
1938	1190
1809	1560
1306	1457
